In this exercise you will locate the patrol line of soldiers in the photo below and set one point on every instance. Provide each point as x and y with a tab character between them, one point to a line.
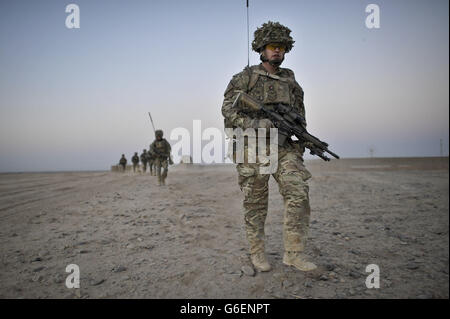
145	158
157	157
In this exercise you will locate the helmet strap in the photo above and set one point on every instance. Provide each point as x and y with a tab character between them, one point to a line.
263	58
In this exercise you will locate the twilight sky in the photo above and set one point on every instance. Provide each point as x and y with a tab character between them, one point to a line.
76	99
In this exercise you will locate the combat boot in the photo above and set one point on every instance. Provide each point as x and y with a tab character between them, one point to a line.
296	259
260	262
163	181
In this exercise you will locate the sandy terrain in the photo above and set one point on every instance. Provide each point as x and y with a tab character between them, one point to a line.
133	239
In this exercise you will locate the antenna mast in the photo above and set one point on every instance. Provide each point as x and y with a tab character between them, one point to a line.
151	120
248	40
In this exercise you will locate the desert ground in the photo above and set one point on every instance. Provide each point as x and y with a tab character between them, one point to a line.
133	239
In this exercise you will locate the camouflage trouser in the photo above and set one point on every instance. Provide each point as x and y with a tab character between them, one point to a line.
161	162
151	165
291	177
124	166
134	167
144	167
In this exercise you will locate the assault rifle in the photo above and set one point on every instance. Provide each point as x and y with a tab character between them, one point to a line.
159	154
288	121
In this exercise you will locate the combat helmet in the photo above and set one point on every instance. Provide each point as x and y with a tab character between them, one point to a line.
159	133
272	32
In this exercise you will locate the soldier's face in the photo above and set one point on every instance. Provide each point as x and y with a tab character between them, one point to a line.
274	54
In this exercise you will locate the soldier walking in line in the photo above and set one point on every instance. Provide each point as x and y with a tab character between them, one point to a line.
151	162
160	150
135	161
144	160
123	162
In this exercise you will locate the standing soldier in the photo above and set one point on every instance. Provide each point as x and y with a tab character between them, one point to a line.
271	85
123	162
144	160
160	150
135	161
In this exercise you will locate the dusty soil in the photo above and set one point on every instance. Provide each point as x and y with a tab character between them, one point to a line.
133	239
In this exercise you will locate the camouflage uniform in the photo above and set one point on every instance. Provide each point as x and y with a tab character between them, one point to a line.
135	161
151	162
123	162
291	174
160	150
144	160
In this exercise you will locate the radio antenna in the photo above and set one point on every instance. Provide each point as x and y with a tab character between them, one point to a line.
248	40
151	120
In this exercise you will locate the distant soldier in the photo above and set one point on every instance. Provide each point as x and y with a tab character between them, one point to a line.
135	160
160	149
144	160
123	162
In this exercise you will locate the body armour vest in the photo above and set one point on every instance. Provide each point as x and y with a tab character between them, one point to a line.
273	89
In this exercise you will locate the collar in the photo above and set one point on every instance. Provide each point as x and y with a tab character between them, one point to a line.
277	75
262	68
